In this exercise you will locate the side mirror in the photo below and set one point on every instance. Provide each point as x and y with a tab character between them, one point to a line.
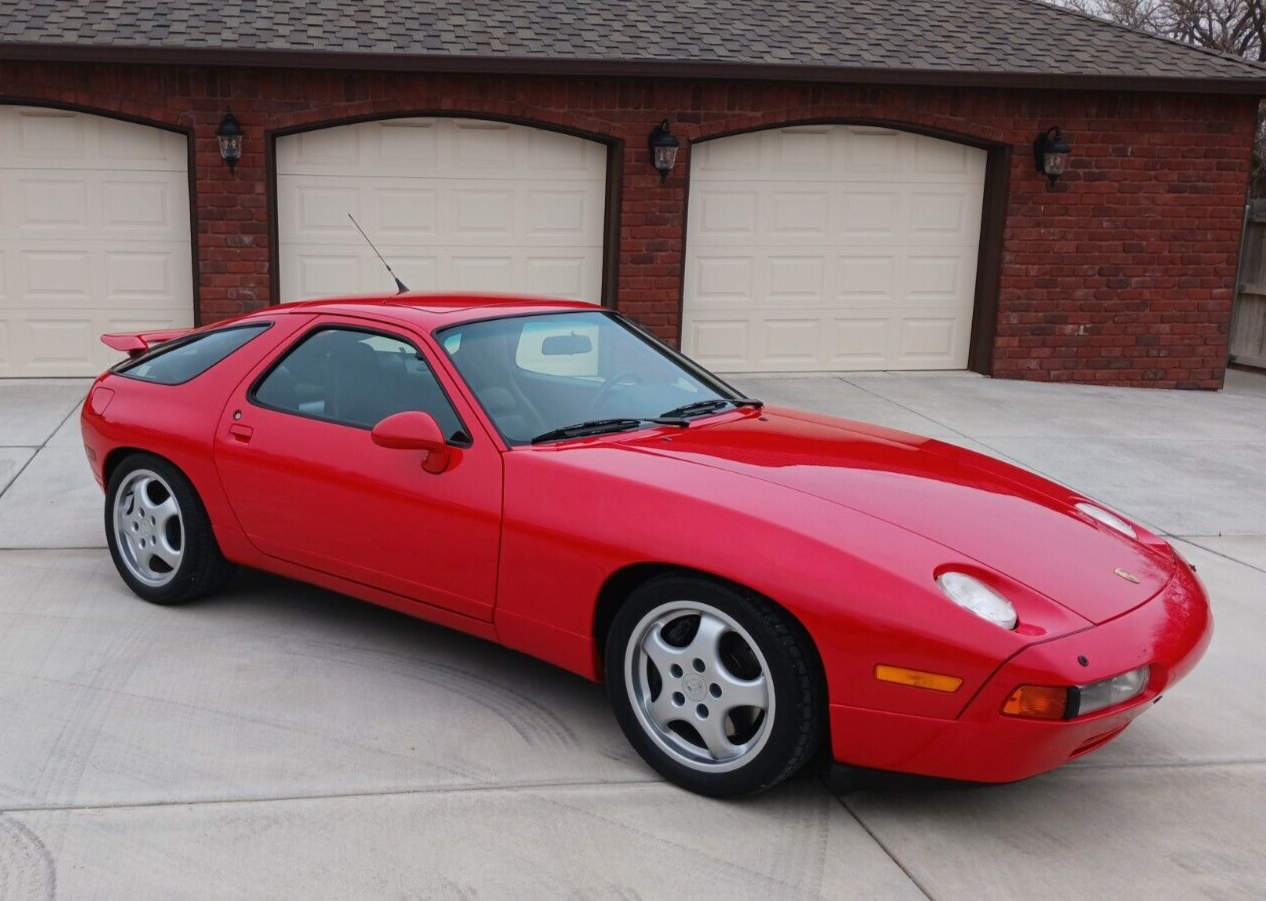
414	430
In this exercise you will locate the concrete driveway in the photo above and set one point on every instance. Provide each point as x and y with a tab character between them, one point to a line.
279	741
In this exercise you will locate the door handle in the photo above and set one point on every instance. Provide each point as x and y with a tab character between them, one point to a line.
241	432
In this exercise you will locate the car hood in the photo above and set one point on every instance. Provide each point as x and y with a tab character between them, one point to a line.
999	516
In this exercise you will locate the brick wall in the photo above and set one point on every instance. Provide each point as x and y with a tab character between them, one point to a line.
1124	275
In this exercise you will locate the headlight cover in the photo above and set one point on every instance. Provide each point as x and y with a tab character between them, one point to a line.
1109	692
1108	519
974	595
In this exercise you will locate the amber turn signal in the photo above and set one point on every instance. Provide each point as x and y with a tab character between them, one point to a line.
917	678
1043	702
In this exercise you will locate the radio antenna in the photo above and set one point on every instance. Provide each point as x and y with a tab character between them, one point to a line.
399	284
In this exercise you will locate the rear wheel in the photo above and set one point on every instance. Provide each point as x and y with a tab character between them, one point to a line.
158	532
714	687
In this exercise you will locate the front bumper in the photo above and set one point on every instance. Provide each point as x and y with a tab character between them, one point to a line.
1170	632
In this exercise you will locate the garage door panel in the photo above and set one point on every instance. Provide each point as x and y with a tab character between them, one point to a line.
936	278
842	247
320	210
56	344
945	158
722	213
43	137
405	213
858	342
931	341
559	276
727	341
797	279
70	275
804	149
946	215
72	206
868	279
870	216
143	278
55	277
38	341
57	206
37	138
790	343
306	267
868	152
325	151
561	214
721	281
401	146
483	214
798	215
485	206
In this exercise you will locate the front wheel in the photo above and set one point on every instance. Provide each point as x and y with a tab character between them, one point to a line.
714	687
158	532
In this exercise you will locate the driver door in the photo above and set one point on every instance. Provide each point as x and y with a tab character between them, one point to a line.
310	487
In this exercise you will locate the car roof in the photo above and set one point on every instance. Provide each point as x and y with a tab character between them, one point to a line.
430	311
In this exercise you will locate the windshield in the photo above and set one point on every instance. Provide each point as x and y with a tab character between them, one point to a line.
536	375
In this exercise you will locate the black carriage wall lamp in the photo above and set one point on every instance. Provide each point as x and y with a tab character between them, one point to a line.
663	146
230	135
1050	154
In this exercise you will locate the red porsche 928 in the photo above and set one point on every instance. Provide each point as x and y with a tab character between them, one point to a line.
758	587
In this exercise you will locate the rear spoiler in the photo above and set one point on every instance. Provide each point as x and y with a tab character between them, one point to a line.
136	343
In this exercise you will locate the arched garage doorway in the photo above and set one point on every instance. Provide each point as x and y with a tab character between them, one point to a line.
94	237
831	248
453	203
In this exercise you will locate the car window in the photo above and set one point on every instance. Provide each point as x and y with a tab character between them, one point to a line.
356	378
535	373
185	358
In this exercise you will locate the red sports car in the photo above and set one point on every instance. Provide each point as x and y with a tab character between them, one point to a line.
756	586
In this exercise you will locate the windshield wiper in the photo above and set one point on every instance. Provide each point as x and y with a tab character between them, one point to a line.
701	407
591	427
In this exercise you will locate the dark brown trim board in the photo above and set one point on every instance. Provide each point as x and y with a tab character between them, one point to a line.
620	68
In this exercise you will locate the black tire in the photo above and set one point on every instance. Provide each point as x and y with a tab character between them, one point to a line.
202	568
790	661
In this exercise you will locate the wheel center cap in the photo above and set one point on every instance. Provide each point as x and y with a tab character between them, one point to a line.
694	686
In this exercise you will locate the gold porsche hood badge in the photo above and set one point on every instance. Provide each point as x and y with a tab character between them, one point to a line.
1128	576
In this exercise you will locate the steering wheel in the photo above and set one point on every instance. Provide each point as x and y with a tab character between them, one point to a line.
628	377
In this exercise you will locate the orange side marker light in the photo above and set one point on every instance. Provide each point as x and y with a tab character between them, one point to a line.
917	678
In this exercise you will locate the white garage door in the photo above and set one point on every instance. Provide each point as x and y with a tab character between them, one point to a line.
453	204
831	247
94	237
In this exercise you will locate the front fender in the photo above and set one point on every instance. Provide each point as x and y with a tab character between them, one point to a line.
862	587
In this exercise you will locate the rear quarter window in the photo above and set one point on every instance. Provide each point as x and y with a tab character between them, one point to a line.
184	359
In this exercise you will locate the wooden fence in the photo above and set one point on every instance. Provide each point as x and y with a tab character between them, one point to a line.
1248	320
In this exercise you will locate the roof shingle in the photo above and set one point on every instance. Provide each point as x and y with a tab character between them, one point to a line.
999	37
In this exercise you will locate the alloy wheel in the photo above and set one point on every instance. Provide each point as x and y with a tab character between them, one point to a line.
699	686
148	528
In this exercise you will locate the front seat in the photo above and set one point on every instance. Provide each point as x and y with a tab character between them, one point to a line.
356	397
